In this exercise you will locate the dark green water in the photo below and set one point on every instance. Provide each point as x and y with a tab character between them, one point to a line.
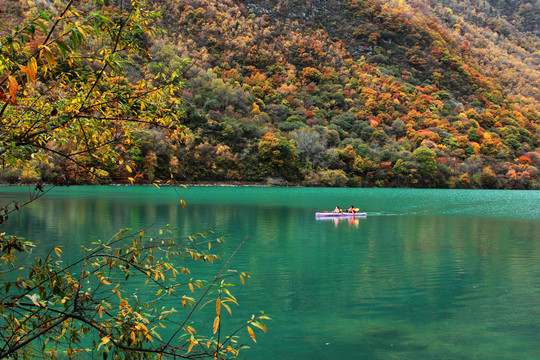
428	274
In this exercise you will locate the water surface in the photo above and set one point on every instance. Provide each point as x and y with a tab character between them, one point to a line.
428	274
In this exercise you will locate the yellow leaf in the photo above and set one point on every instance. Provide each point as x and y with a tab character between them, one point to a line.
128	168
58	251
251	333
190	346
228	308
216	324
190	329
141	326
183	203
33	65
30	69
13	87
191	287
105	282
104	340
24	69
259	325
218	307
117	293
46	51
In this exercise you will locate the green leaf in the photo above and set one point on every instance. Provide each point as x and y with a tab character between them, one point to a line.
41	25
30	28
64	48
44	15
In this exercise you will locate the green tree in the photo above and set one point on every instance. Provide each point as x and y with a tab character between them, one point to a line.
348	156
400	172
488	178
333	178
427	163
277	156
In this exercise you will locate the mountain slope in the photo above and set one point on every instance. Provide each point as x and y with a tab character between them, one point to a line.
349	93
385	78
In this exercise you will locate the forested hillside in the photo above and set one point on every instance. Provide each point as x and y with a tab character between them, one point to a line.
387	93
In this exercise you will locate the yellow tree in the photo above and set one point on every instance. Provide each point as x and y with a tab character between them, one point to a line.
63	85
64	91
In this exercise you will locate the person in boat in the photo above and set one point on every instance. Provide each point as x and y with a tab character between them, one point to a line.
337	209
352	209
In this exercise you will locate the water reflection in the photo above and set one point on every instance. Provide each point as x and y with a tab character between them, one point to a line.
351	221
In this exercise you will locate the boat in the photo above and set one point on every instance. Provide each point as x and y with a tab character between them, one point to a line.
338	215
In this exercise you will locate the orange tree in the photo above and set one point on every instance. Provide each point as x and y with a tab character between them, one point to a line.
65	91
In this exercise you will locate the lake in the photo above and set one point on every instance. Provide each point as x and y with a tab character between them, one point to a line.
428	274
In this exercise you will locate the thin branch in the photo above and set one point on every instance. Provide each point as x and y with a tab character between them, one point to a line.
16	268
33	197
105	64
100	75
57	21
230	337
206	292
130	120
120	346
66	156
38	114
89	150
14	349
1	114
138	96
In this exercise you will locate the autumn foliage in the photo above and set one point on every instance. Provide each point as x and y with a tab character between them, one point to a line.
385	77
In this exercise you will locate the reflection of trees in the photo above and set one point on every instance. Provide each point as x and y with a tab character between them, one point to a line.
92	217
443	267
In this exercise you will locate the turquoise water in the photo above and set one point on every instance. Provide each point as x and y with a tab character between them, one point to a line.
428	274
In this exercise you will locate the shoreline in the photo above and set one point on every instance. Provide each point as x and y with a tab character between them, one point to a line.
241	184
201	184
